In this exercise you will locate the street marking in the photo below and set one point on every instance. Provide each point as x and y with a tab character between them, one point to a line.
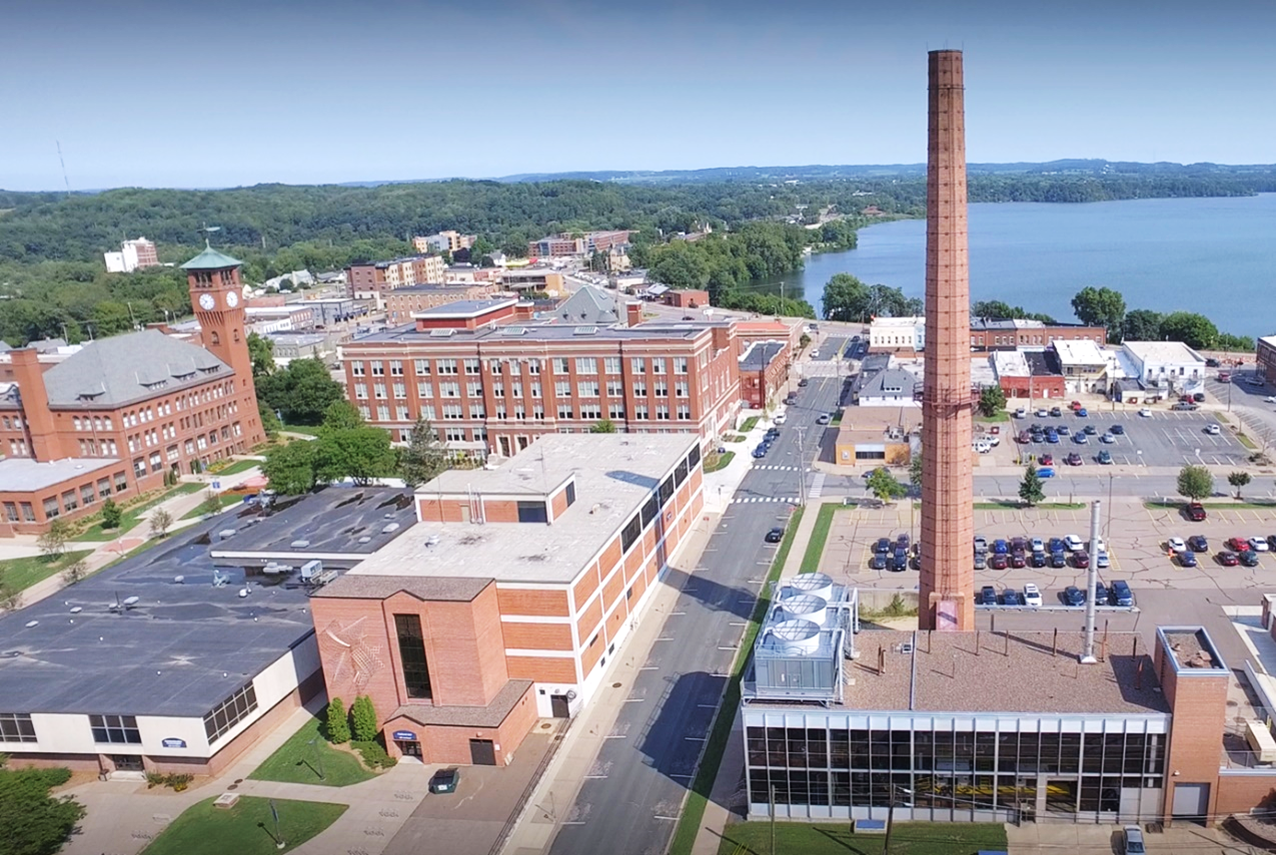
726	648
707	706
696	738
634	700
615	736
671	614
666	638
594	778
649	668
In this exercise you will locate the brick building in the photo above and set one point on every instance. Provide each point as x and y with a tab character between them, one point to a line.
534	278
562	245
764	368
446	241
402	303
120	412
1028	374
492	380
687	298
133	254
1012	333
511	595
371	280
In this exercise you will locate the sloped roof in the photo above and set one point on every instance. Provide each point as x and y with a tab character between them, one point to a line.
129	367
894	378
587	306
211	259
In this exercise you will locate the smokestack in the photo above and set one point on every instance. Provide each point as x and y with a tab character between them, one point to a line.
1092	577
42	439
947	401
633	313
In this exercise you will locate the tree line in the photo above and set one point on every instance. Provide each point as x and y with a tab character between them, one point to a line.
1105	307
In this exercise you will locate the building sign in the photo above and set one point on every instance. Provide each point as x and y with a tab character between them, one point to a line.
405	735
173	742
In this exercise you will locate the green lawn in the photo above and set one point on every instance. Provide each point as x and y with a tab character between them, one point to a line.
819	537
1013	505
1222	506
723	460
305	429
246	829
749	424
1246	441
684	837
22	573
237	467
907	838
133	515
298	762
226	499
1003	416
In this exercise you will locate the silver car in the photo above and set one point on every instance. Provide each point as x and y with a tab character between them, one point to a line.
1133	841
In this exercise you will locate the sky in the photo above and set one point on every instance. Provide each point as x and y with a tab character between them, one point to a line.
165	93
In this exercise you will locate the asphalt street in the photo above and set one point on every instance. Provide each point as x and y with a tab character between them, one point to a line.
631	800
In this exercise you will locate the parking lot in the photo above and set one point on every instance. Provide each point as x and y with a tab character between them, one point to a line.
1137	540
1164	438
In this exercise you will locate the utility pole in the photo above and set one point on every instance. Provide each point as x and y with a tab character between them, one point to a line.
890	818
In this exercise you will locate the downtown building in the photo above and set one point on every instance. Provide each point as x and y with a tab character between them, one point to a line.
372	280
491	377
110	420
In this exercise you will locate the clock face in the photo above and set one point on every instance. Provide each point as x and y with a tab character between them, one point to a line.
232	299
206	301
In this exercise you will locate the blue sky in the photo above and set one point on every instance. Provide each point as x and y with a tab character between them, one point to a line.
151	93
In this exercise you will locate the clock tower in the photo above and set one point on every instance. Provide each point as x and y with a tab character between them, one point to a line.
217	298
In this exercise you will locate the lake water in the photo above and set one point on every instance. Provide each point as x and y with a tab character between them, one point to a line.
1213	256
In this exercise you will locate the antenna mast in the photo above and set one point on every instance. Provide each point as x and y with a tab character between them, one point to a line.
65	180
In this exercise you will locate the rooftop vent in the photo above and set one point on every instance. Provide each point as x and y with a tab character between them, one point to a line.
514	331
585	331
442	333
299	544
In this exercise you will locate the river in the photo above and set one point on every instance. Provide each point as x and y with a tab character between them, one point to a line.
1213	256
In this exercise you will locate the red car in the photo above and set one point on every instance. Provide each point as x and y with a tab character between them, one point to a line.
1080	560
1238	544
1228	559
999	561
1075	405
1017	560
1196	512
1046	460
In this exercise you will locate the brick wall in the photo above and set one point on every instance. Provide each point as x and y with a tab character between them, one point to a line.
1198	706
1239	793
532	602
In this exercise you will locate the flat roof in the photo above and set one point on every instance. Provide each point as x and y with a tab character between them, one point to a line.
1169	352
987	672
903	321
466	308
23	475
334	522
534	331
760	354
614	474
1079	352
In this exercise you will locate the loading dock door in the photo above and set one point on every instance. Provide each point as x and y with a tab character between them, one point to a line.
1191	801
558	705
482	752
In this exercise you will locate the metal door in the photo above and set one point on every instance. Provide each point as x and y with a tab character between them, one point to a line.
482	752
1191	801
558	705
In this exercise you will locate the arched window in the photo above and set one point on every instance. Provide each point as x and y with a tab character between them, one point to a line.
236	335
216	339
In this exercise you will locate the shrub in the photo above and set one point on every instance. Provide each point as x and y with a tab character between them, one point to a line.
111	514
364	718
374	754
154	779
338	726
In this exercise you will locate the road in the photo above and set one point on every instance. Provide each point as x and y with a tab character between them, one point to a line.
632	799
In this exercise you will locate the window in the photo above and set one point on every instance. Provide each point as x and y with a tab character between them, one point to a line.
424	389
498	390
662	389
680	389
658	365
629	534
680	365
533	366
586	365
104	487
416	671
640	411
615	389
447	366
662	412
454	434
640	389
396	368
473	366
611	364
449	390
666	491
422	367
356	369
51	508
28	512
587	388
121	482
560	365
638	365
591	411
11	511
452	411
157	463
115	729
536	390
478	411
361	391
615	411
383	413
378	391
16	727
532	512
563	389
402	414
399	390
230	712
378	369
564	411
684	412
87	495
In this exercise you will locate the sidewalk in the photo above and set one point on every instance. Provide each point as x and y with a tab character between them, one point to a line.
720	486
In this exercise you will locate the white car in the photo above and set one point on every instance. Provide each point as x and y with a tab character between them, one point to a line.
1031	595
1099	546
1270	399
1101	561
1259	544
1073	543
779	419
1176	544
1038	545
1021	413
1145	413
1213	429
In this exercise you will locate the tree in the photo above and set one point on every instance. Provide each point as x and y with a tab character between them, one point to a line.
111	515
992	400
290	468
161	521
270	423
845	298
915	470
1196	331
425	457
603	426
804	342
1195	482
1100	307
34	821
77	571
342	415
882	484
52	543
363	716
302	392
212	504
1238	480
1031	490
262	353
362	454
10	596
1141	325
338	724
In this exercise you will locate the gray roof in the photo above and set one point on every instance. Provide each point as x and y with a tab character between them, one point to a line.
456	716
45	345
5	346
890	377
589	305
760	354
466	308
437	588
529	331
130	367
211	259
21	474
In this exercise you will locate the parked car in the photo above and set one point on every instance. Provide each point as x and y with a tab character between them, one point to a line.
1052	437
1176	544
1056	544
1010	597
1198	543
1237	544
988	595
879	561
1145	413
1045	472
1046	460
1195	511
1105	457
902	540
760	451
1074	406
775	535
1018	560
1056	412
1184	407
1018	544
899	561
1058	559
1259	544
1100	594
445	781
1213	429
1080	438
1082	413
1031	595
804	382
823	419
1228	559
1117	429
1073	596
1037	544
1186	559
1198	397
981	543
981	560
1043	413
1132	841
1073	543
1102	562
1080	560
1107	439
1074	459
1021	413
1063	430
779	419
1090	430
1248	558
1024	437
1120	595
883	545
999	561
1000	546
1037	560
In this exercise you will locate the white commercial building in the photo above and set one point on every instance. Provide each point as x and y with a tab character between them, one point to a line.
906	333
1168	366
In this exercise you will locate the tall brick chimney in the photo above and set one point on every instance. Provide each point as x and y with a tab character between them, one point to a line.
633	313
42	438
947	583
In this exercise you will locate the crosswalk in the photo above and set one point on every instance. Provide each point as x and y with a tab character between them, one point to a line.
779	468
817	486
748	500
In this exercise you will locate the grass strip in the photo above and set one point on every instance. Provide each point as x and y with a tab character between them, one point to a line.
829	838
224	499
302	429
724	459
246	829
749	424
237	467
819	537
18	574
1222	506
132	516
1020	506
684	837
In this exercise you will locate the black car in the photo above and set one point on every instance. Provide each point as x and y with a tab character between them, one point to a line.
899	561
988	595
1117	429
1010	597
1199	397
878	561
1121	594
445	781
1248	558
1198	543
772	433
1037	560
1058	559
1100	594
1090	430
775	535
1186	559
803	382
902	541
883	545
1073	596
791	400
1056	412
